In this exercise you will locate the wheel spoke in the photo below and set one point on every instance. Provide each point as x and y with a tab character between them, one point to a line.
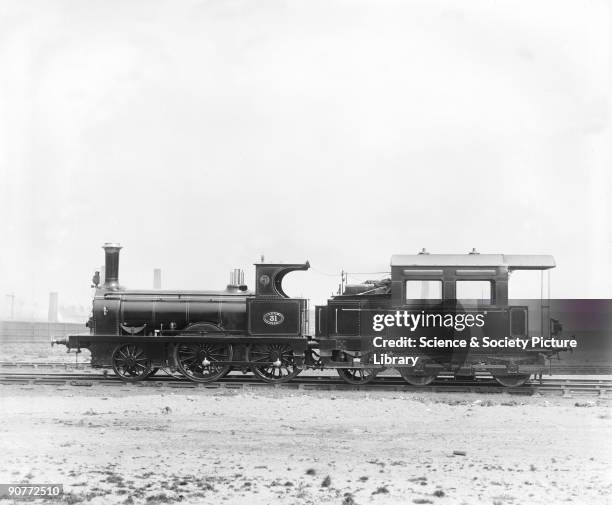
189	359
131	363
357	376
262	353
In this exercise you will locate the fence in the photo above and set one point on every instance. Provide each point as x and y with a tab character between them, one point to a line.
31	331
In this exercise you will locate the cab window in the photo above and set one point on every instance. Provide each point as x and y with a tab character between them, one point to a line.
474	292
423	290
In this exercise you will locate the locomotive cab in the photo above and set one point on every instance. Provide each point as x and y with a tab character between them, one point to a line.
271	312
474	278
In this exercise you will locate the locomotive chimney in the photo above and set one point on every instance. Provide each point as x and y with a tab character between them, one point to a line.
111	270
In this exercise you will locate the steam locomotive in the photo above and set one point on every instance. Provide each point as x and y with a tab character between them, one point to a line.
206	334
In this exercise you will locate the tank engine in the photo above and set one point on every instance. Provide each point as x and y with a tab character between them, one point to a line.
205	334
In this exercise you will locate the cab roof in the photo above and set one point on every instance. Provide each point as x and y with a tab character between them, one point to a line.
511	261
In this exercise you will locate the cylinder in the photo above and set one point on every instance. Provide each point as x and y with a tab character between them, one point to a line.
111	267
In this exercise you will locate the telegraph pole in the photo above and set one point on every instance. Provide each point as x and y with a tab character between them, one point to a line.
12	297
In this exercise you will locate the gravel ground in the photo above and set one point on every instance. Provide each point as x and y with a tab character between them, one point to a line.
111	445
41	352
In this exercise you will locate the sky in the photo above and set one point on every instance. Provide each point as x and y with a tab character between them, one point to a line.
203	134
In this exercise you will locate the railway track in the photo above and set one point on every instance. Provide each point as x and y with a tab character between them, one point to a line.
87	377
57	365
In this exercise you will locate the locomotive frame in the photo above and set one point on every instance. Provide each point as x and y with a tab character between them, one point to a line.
206	334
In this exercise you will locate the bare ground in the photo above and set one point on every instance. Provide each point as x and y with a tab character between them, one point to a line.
41	352
111	445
